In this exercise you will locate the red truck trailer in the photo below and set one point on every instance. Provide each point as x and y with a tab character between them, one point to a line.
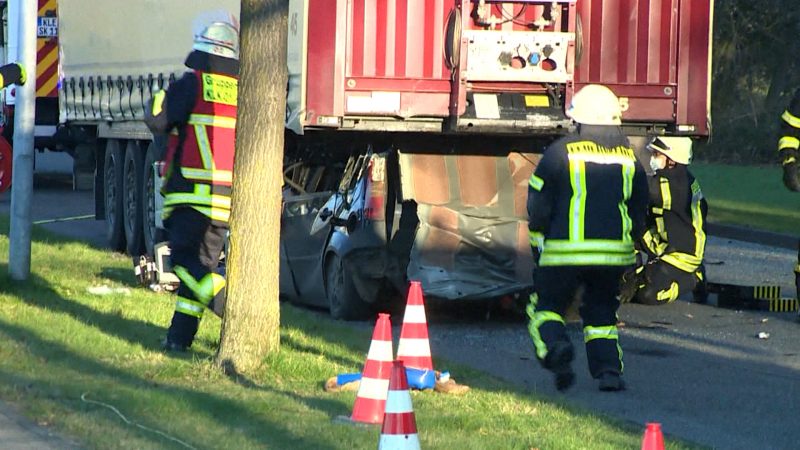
414	126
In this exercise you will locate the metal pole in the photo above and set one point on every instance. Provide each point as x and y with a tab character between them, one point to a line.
19	257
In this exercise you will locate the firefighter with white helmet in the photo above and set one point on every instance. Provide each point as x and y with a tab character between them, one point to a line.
675	239
586	206
199	113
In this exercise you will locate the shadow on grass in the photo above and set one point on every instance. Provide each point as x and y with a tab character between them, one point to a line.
38	293
92	375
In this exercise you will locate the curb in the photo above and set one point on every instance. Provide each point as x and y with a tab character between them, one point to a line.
752	235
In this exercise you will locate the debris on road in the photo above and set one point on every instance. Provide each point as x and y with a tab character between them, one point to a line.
763	335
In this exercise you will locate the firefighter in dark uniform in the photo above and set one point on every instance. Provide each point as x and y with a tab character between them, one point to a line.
675	239
199	111
788	145
586	205
12	73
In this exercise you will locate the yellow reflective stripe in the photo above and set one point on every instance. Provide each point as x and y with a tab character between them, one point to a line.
536	182
788	142
211	176
666	196
536	239
791	119
204	146
220	215
189	307
683	261
590	259
158	102
190	282
214	201
697	221
668	295
212	121
657	210
606	332
577	204
533	299
627	188
210	286
537	318
588	245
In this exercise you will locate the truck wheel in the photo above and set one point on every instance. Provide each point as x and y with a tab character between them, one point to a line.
132	198
112	193
343	298
148	197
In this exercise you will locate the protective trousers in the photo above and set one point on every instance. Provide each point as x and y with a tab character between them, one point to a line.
555	289
664	283
195	249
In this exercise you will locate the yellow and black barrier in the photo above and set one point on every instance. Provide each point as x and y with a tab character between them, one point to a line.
763	297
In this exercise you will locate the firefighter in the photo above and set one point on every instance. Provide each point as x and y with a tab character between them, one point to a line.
675	239
199	112
788	145
12	73
586	205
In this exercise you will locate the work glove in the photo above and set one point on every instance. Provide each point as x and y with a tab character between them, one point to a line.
789	161
630	283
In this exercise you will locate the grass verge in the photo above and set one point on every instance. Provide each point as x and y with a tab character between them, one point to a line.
61	342
750	196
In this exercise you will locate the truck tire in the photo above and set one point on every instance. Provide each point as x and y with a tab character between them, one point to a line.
343	298
148	197
132	171
112	195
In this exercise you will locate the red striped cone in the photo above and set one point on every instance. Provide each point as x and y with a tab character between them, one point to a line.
371	397
414	348
399	429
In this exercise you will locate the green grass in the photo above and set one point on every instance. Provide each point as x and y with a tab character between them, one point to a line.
59	342
751	196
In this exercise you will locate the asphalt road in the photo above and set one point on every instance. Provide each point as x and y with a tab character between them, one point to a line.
699	370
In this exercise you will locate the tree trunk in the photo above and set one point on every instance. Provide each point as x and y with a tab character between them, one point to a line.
250	327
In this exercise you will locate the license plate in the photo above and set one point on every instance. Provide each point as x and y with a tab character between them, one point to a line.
537	101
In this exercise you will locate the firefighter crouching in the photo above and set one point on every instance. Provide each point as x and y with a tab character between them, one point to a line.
788	145
586	206
675	239
199	112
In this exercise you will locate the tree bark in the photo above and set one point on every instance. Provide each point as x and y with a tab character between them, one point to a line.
250	327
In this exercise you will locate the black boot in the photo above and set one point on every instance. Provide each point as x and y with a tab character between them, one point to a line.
559	361
611	382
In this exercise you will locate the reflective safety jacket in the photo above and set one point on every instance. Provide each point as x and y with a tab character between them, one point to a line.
587	200
676	219
200	152
789	141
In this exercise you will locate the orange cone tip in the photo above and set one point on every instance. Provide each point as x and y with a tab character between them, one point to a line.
414	348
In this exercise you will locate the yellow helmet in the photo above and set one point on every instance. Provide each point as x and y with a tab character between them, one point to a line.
595	104
678	149
218	38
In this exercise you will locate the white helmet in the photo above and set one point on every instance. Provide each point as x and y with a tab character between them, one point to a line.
218	38
595	104
678	149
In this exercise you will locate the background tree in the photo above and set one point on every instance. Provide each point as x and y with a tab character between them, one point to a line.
250	328
755	72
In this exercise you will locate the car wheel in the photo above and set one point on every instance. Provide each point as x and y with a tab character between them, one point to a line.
343	298
112	190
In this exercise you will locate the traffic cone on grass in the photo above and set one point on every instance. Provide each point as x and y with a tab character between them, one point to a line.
414	348
371	397
653	439
399	431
